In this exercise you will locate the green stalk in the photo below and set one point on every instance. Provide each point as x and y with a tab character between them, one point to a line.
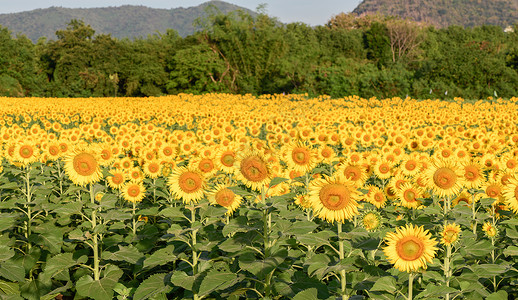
193	248
410	285
447	271
95	242
267	224
28	194
341	255
134	218
474	213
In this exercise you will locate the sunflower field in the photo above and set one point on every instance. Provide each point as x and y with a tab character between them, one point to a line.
242	197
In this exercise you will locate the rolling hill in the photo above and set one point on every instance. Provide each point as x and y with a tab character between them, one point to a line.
443	13
121	22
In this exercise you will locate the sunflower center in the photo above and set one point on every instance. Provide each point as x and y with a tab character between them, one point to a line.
225	197
493	191
254	169
228	159
410	165
85	164
53	150
444	178
410	248
206	166
134	190
26	151
335	196
300	156
189	182
409	196
117	178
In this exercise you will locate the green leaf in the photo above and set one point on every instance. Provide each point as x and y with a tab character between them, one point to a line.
500	295
511	251
302	227
216	280
108	201
9	186
489	270
385	284
99	289
128	254
150	211
7	221
172	212
316	239
68	208
58	265
261	268
156	284
309	294
5	253
9	288
179	278
481	248
432	290
317	264
13	271
160	257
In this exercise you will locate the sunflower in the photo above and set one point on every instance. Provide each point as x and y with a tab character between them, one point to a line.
463	198
222	195
299	157
253	170
82	166
225	159
489	229
376	196
326	154
408	195
152	168
187	184
303	201
333	199
133	191
204	165
117	179
353	172
410	166
450	234
510	194
26	152
383	169
410	248
371	220
444	178
473	174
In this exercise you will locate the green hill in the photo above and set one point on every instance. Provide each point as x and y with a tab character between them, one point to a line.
443	13
121	22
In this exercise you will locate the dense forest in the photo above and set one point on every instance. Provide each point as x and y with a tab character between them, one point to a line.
369	56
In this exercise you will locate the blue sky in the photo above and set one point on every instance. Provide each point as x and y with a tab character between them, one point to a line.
313	12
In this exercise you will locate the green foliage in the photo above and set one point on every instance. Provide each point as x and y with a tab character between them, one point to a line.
244	53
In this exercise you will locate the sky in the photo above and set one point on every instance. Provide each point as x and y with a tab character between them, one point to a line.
312	12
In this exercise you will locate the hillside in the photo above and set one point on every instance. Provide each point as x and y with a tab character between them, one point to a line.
124	21
442	13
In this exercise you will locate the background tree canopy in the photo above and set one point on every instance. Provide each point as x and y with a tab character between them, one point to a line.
370	56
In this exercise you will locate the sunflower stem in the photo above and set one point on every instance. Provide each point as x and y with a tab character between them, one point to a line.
267	224
447	271
410	285
134	218
28	194
95	242
194	252
474	213
341	255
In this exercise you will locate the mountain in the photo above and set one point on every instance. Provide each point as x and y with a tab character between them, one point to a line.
121	22
443	13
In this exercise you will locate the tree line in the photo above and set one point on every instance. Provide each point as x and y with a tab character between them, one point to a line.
369	56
